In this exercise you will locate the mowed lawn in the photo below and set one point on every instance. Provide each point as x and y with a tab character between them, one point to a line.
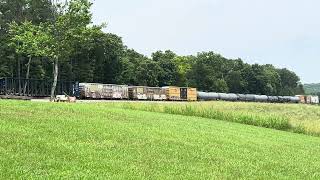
49	140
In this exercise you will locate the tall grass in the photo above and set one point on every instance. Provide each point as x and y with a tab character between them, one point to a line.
267	121
295	118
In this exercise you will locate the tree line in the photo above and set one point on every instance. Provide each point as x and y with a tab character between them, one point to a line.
43	40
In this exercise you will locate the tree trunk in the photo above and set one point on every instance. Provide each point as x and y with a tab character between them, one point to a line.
27	76
55	80
19	71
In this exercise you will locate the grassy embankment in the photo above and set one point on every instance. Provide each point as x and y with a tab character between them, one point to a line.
298	118
43	140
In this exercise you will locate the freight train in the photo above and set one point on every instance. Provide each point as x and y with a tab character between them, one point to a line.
125	92
14	87
173	93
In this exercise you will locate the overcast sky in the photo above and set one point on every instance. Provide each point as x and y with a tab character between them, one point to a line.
285	33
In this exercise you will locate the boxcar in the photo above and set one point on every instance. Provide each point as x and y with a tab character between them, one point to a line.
172	93
308	99
138	93
103	91
302	98
311	99
188	94
156	94
192	94
314	99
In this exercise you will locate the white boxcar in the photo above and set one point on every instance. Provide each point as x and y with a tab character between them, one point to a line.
138	92
156	94
314	99
103	91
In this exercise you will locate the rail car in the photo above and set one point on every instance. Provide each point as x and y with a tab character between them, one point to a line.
103	91
156	94
13	87
209	96
113	91
174	93
147	93
309	99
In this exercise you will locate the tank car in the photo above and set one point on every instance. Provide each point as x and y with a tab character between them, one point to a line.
260	98
205	96
228	97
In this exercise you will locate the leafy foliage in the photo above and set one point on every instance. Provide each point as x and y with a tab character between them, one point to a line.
64	35
312	88
28	39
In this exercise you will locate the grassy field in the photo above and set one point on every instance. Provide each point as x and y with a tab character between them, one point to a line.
298	118
47	140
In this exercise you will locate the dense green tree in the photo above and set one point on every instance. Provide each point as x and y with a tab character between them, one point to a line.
261	79
168	74
148	73
129	65
18	11
97	61
235	77
138	69
273	84
289	82
235	82
82	52
29	40
108	53
184	65
300	90
207	72
69	28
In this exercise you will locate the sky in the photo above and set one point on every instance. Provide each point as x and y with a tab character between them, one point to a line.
285	33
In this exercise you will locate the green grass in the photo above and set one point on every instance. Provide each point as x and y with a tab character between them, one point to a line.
198	110
300	118
92	141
